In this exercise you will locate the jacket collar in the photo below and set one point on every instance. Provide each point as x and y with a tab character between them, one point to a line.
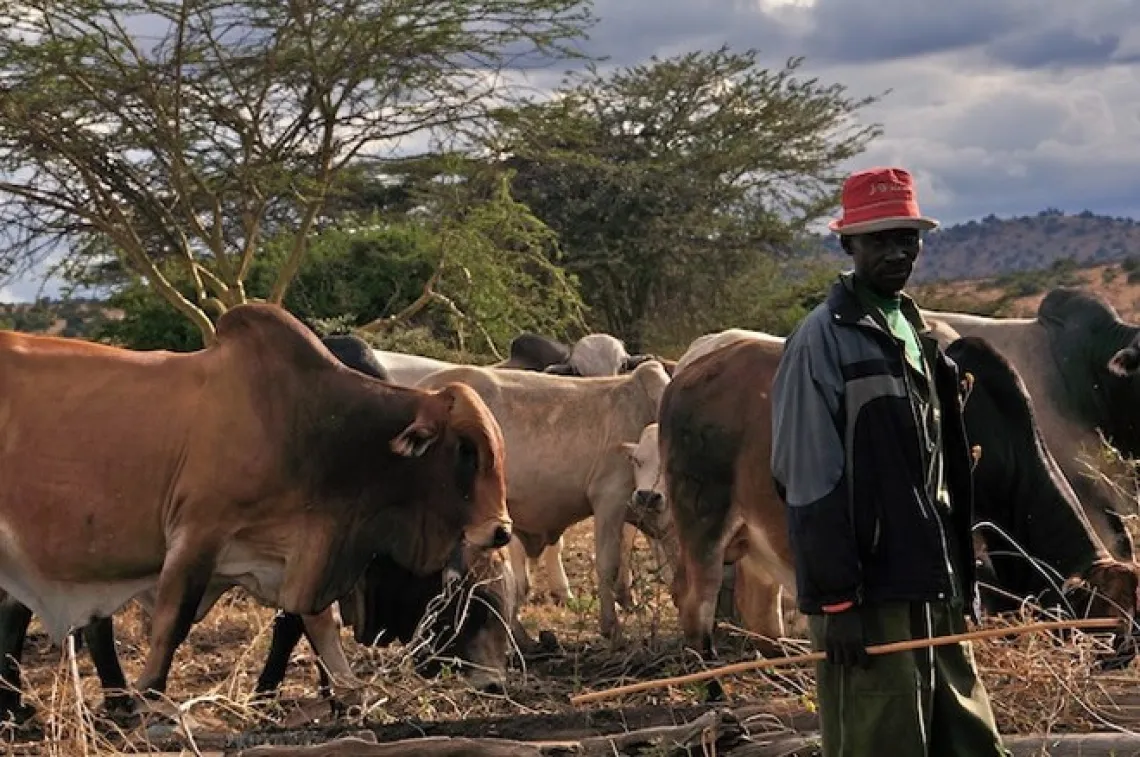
848	309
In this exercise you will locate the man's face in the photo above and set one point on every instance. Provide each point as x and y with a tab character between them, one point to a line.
885	259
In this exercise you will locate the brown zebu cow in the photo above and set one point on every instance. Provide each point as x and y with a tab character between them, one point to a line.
715	443
260	461
388	603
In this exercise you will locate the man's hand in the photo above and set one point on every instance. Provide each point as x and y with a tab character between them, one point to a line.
843	639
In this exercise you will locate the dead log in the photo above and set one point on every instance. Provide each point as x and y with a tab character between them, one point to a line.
718	728
425	747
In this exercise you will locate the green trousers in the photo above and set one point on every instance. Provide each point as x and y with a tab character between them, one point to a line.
922	703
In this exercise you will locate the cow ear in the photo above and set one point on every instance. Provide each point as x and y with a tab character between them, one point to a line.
416	439
428	426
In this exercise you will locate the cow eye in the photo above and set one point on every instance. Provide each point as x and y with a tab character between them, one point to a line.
466	466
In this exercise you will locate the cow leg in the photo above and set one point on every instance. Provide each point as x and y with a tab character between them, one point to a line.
532	571
524	548
14	621
624	588
758	601
99	636
556	573
607	546
287	631
181	586
323	633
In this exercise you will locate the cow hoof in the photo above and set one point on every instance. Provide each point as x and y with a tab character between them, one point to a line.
119	709
487	683
714	692
561	599
626	600
548	642
614	637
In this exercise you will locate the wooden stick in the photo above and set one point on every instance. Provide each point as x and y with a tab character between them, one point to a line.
897	646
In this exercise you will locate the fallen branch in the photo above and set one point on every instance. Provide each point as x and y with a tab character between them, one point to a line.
716	727
425	747
898	646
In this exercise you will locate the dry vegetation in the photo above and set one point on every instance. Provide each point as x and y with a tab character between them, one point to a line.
1038	683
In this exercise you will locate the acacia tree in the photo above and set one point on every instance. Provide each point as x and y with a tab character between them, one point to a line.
668	182
192	129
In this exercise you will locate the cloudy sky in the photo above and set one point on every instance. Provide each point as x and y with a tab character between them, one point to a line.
997	106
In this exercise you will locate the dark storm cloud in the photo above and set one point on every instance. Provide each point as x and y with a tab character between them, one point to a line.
630	31
857	31
1022	33
1054	47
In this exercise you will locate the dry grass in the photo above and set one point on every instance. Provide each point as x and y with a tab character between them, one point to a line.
1037	682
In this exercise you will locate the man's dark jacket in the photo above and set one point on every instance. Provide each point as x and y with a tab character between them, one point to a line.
848	459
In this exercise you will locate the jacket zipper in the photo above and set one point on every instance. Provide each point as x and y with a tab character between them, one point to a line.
921	456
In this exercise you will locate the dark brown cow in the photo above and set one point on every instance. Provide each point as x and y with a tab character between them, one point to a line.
715	443
260	461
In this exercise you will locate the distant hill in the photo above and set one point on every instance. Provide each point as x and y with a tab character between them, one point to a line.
1000	266
994	246
1018	295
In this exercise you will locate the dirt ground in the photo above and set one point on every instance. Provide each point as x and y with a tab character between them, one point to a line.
1037	683
215	670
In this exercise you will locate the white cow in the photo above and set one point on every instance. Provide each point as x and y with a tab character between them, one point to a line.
565	457
405	369
598	355
592	355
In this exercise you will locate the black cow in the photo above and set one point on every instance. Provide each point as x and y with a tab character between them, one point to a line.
1037	536
355	352
532	352
466	627
1063	355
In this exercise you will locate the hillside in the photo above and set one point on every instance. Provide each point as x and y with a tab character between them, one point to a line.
994	246
1018	295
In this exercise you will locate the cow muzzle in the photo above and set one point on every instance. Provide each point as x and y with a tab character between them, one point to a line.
490	535
649	500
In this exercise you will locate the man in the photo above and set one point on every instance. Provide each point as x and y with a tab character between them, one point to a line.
870	455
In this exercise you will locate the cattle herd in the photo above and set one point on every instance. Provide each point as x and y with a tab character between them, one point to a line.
344	485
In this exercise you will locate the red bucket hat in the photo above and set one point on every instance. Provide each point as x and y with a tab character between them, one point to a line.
878	199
